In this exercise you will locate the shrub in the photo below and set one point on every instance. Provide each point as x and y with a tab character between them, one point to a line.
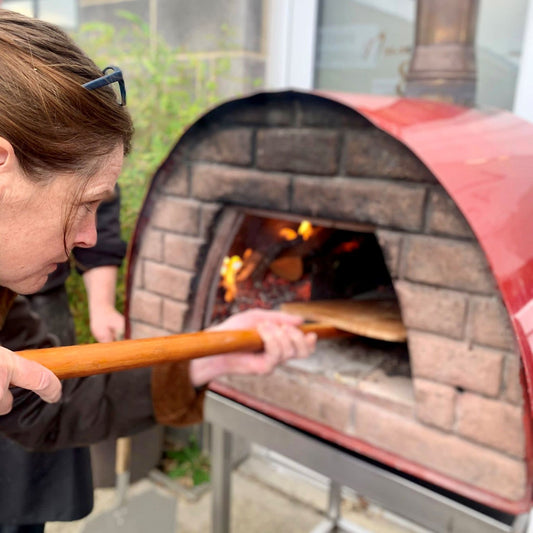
167	90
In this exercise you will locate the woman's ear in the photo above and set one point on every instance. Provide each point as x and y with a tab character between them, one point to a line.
8	160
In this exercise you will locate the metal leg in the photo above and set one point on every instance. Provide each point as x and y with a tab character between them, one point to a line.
334	505
392	491
334	522
220	479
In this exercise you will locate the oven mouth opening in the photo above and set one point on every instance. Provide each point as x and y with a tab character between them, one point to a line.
273	261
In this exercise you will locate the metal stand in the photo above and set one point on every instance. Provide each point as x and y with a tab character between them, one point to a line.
221	479
389	490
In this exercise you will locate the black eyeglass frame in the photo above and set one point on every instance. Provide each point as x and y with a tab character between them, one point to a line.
108	79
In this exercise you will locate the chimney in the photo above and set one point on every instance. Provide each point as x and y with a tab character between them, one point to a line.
443	65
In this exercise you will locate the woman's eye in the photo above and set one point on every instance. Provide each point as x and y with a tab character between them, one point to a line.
91	206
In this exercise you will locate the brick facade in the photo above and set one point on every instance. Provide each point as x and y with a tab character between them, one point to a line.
461	413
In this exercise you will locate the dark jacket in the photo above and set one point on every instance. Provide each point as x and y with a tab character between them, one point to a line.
91	409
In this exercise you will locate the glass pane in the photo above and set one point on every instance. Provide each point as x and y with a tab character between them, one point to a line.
364	45
64	13
25	7
500	31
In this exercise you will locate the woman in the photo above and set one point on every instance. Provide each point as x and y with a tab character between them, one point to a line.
63	137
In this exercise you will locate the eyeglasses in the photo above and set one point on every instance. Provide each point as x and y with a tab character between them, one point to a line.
108	79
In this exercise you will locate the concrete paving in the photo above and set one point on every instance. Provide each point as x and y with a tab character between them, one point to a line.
266	498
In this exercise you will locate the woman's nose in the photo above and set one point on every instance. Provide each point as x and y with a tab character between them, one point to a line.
86	235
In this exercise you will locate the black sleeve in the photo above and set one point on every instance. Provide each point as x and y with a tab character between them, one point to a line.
91	409
110	249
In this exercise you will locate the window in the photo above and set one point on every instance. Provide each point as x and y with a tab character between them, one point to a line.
64	13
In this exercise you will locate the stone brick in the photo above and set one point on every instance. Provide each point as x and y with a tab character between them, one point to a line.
491	422
444	217
375	153
175	180
174	315
144	331
432	309
263	109
395	392
512	385
168	281
146	307
232	146
442	452
174	214
371	201
215	183
489	323
447	263
207	218
317	112
138	274
327	404
335	407
391	244
435	403
453	362
305	151
181	251
152	245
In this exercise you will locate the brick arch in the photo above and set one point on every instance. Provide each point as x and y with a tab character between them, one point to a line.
312	156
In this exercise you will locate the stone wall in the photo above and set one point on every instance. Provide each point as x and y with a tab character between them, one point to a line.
461	413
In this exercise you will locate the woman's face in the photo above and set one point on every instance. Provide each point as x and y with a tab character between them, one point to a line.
32	221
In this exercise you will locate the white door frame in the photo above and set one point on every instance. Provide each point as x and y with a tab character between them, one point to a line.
292	28
523	102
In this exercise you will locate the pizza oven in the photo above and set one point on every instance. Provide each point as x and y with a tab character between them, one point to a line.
293	199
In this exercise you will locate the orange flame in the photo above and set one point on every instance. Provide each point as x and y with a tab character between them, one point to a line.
305	230
228	271
288	234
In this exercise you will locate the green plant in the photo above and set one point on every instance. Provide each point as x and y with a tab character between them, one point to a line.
188	462
167	90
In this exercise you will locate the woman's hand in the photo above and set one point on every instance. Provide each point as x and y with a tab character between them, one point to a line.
15	370
281	338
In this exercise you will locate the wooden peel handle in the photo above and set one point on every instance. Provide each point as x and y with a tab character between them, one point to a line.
89	359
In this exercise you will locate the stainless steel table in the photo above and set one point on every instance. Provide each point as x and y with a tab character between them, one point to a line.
390	490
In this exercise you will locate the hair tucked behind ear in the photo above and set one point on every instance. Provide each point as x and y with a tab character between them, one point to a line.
53	123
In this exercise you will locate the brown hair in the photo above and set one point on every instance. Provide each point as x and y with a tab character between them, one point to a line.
52	122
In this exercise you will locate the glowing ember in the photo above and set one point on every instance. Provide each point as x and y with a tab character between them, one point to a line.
288	234
228	271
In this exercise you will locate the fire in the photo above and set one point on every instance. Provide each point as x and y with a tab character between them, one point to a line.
305	230
235	269
288	234
228	272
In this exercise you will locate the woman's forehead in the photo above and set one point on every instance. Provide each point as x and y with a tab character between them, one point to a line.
102	184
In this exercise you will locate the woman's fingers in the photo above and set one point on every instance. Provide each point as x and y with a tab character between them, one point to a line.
302	344
6	402
15	370
33	376
283	342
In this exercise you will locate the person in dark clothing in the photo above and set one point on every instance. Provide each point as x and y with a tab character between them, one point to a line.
49	479
63	137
